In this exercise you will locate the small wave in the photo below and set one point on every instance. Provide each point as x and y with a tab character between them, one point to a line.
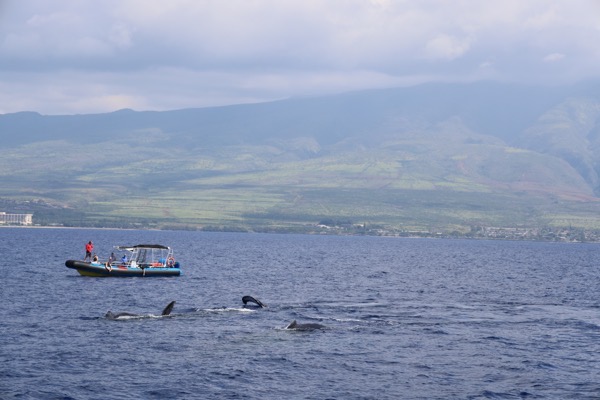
436	331
347	320
138	317
225	309
540	364
488	394
500	340
127	317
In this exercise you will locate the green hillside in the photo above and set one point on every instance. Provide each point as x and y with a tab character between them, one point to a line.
275	167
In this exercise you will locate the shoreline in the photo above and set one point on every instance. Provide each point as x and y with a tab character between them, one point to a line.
320	233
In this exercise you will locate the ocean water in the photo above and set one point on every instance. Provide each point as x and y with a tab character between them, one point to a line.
404	319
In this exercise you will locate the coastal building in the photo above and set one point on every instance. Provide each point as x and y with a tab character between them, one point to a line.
15	219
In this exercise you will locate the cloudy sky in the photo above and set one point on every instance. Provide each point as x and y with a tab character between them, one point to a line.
78	56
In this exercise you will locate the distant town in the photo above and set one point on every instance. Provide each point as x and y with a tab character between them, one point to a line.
546	234
15	219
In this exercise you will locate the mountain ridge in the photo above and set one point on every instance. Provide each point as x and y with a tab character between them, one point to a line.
270	162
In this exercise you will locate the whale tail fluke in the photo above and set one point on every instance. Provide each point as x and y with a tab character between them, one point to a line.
168	308
250	299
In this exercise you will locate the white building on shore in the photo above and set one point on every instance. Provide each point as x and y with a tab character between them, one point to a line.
15	219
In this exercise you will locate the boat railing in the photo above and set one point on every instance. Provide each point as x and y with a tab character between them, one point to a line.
134	264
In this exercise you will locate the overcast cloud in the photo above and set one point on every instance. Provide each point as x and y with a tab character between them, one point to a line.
75	56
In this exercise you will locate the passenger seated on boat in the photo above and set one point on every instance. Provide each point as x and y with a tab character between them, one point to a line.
110	259
95	259
124	259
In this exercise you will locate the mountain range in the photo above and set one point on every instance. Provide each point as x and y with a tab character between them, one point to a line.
433	157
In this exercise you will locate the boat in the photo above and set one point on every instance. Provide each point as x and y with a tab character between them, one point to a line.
139	260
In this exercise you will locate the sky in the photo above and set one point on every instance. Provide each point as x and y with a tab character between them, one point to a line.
86	56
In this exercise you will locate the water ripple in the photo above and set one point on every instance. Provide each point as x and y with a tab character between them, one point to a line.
414	319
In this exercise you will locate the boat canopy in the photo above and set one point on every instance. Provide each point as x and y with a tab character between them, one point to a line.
143	246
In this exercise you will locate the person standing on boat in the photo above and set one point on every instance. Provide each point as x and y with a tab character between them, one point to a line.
89	247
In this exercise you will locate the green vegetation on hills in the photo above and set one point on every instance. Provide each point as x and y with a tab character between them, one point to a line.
373	172
383	187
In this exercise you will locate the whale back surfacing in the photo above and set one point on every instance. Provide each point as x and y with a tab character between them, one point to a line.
304	327
166	311
111	315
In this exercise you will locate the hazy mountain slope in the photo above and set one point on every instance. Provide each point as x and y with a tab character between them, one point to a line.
443	156
570	131
488	108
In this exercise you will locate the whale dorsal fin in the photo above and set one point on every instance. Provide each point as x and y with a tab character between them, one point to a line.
169	308
292	325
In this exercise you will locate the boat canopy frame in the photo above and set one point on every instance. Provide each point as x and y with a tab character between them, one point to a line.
142	255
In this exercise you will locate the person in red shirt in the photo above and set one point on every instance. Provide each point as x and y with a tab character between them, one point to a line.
89	247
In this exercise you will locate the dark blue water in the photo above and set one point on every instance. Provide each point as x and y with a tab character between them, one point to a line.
405	318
